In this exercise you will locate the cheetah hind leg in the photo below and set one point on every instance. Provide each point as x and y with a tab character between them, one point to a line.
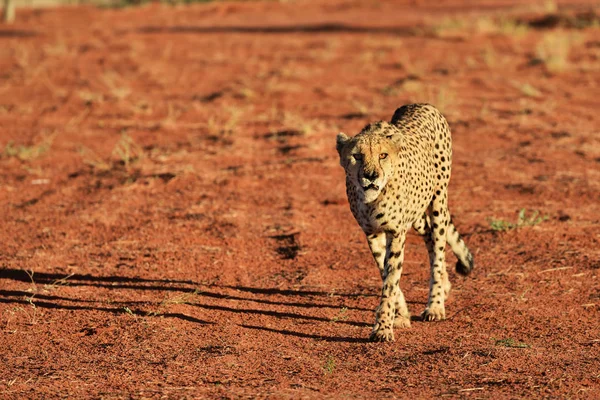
423	228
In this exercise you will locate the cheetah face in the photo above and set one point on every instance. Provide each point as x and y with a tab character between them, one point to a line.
368	161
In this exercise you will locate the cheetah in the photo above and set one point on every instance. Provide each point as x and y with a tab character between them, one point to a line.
397	176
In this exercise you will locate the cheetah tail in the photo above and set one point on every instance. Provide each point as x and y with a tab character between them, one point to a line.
460	249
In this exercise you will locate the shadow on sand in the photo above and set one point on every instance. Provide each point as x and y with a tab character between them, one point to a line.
322	28
138	308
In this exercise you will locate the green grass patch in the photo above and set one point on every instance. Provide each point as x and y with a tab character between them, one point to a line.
510	342
342	315
522	220
27	153
329	366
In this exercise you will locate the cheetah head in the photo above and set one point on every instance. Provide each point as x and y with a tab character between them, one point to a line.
368	159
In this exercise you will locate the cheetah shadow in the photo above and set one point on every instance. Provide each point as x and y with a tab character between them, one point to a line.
202	296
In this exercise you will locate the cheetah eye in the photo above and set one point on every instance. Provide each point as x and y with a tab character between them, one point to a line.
357	156
383	156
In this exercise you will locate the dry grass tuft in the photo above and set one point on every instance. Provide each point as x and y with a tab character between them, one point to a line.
554	49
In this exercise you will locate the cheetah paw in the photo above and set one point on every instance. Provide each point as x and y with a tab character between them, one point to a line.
402	322
434	312
382	335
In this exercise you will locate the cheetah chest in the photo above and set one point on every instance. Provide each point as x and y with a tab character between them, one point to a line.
401	202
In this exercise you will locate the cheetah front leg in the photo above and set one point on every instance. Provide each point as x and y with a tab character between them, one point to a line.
392	302
378	246
439	285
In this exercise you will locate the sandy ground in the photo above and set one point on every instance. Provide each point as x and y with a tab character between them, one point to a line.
175	222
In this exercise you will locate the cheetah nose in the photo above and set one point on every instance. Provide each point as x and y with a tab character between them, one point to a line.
371	175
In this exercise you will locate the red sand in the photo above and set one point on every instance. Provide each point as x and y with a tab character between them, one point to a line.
175	222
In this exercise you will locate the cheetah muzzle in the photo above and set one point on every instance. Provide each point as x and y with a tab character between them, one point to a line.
397	177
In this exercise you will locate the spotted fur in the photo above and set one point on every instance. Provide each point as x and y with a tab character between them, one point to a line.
397	177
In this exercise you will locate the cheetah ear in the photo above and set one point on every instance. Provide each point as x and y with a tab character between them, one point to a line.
340	142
